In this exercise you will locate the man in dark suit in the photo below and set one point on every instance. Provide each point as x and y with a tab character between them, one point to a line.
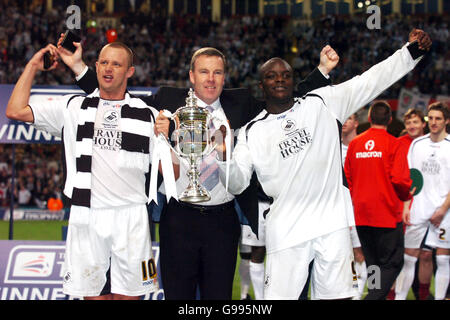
199	241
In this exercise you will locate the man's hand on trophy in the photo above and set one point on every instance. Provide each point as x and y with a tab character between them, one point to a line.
162	124
219	139
73	60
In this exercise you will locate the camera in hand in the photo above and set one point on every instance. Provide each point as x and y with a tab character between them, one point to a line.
48	60
69	38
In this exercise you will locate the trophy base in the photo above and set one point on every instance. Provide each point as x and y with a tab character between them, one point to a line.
195	195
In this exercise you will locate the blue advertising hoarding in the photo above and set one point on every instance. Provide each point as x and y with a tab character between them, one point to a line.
32	270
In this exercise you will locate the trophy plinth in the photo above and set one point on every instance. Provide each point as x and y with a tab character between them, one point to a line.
194	192
195	195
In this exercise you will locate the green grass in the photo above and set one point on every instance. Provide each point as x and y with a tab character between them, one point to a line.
52	230
33	230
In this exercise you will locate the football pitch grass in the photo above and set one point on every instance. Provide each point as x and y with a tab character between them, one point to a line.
52	231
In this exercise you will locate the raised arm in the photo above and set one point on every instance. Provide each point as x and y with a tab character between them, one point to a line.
88	81
347	97
18	108
319	76
86	78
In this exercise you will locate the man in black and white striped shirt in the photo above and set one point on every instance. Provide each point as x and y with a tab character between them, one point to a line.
107	139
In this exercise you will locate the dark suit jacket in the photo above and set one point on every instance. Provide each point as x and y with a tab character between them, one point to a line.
239	106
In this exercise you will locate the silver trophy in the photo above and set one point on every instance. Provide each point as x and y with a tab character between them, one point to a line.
193	142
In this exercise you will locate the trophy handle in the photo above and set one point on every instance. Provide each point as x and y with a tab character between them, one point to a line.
176	150
218	122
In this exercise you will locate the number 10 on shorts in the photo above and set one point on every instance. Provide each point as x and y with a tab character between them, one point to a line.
148	269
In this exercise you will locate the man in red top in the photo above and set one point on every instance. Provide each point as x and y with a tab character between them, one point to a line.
378	178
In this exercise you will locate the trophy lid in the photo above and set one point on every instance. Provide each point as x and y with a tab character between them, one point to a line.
191	111
191	100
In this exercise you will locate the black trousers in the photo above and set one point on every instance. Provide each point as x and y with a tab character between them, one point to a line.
383	249
198	250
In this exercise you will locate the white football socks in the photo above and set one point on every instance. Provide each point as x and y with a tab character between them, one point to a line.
257	276
406	277
442	276
244	273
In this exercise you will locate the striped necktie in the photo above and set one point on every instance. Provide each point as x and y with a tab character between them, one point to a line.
211	110
209	170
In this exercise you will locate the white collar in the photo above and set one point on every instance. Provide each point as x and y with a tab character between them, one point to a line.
125	100
215	105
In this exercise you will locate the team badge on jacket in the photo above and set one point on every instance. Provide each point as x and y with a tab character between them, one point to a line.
288	124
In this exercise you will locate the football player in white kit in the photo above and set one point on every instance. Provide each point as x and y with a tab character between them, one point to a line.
429	162
253	250
108	224
294	148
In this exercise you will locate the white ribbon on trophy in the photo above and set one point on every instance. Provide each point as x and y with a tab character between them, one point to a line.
161	152
218	119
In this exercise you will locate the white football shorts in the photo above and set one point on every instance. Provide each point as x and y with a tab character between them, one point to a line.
116	238
248	236
414	235
333	274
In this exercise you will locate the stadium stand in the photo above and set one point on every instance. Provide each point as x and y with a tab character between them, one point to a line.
163	45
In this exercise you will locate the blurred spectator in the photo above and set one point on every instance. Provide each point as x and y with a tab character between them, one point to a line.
24	196
3	193
38	174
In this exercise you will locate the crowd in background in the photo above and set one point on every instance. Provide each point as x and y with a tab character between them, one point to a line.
38	174
164	44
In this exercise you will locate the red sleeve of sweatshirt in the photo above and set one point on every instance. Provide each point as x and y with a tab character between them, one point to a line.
400	170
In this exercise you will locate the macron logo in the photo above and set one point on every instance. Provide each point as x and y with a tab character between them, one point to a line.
370	144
